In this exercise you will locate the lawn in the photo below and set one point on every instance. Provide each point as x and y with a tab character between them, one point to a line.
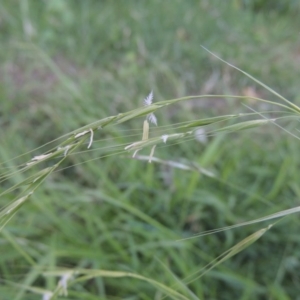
97	202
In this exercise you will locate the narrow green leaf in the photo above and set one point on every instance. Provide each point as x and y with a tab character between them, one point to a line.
244	125
208	121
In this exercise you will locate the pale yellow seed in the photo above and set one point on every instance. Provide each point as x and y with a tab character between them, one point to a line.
145	131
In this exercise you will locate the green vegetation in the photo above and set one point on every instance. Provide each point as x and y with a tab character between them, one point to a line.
215	213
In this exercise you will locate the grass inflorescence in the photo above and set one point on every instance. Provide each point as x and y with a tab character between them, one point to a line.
195	197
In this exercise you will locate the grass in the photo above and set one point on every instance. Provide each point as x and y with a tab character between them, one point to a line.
124	228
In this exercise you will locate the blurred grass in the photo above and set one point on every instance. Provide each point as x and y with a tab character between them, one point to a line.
65	64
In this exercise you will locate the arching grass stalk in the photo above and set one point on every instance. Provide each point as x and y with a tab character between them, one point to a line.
32	183
85	135
69	277
77	137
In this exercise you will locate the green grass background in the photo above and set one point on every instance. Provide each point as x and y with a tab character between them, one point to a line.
65	64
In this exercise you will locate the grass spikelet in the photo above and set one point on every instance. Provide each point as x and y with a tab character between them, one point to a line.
231	252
